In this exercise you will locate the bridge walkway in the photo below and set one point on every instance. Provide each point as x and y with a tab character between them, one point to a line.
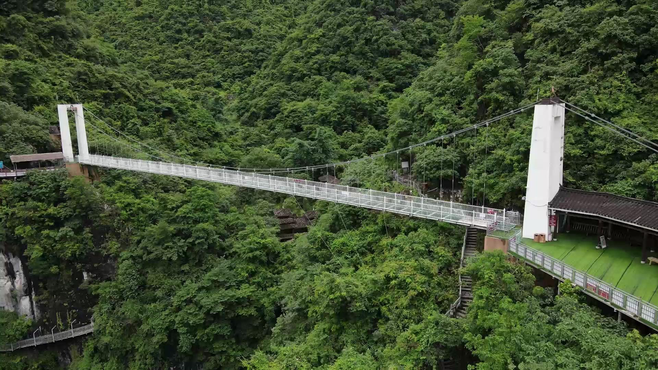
451	212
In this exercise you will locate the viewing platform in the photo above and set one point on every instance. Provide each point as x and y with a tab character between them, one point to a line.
618	265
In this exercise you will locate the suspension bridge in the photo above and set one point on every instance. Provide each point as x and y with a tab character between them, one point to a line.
270	179
545	178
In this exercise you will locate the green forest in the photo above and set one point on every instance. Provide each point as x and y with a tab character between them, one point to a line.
192	275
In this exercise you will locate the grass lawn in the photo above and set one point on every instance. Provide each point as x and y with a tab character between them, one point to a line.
618	265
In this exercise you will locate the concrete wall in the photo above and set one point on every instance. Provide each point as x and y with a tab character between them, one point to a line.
495	244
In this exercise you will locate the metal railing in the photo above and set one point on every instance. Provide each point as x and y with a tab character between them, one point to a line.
23	172
620	300
408	182
456	213
48	338
18	173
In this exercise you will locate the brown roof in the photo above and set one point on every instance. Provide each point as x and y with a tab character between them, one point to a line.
283	213
36	157
330	179
635	212
299	223
287	220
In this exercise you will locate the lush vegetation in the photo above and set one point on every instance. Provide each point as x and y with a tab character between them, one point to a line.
187	274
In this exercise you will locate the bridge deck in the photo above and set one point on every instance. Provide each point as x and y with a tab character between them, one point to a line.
452	212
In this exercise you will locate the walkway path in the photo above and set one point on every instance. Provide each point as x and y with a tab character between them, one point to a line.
452	212
48	338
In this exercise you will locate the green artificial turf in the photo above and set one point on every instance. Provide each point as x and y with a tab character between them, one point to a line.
654	299
556	249
505	234
640	280
613	262
618	264
583	255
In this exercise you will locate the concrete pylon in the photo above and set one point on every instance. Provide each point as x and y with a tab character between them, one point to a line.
545	168
65	131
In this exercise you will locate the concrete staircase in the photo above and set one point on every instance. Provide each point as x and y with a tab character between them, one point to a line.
447	365
470	250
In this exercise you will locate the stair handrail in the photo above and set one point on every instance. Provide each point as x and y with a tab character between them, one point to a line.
461	262
458	301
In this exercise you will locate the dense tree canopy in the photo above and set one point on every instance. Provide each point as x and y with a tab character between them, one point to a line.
186	274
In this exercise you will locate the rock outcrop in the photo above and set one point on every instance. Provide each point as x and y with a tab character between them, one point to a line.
16	293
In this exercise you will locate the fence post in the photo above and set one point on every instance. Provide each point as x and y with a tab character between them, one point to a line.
585	281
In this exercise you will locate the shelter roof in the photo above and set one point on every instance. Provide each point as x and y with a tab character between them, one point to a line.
630	211
36	157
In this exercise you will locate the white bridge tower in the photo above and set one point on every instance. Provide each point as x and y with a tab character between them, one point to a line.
545	166
67	144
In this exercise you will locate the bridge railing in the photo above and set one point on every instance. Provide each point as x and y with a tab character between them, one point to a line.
17	173
48	338
457	213
23	172
628	303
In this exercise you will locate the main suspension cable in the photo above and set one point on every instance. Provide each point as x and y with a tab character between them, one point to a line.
138	150
607	127
573	108
134	140
343	163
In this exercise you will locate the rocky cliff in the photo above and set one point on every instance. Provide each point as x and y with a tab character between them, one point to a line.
16	293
